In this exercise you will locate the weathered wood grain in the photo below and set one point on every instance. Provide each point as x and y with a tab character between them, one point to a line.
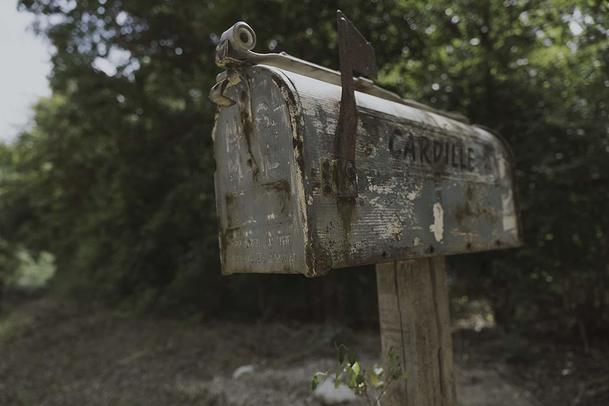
415	325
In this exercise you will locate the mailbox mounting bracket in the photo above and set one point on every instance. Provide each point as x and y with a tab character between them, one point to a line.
355	56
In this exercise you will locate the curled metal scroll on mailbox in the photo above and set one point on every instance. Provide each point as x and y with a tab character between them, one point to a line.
318	169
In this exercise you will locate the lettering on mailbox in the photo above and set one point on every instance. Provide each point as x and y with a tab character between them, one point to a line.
433	152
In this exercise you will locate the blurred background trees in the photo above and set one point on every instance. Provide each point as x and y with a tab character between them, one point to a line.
115	177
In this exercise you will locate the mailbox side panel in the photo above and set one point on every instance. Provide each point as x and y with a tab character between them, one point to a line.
427	185
258	185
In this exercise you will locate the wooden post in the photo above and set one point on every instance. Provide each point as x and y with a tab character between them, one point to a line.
415	323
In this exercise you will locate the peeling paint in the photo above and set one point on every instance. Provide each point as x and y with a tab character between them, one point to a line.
391	231
502	167
412	200
381	189
509	223
412	195
437	228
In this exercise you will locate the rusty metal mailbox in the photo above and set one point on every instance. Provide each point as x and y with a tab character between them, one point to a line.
294	197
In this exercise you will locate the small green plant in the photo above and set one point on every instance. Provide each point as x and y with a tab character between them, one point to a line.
371	384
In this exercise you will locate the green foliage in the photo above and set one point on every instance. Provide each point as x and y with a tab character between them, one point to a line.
115	178
318	379
369	384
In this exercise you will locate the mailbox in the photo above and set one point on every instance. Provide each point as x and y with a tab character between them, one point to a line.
317	170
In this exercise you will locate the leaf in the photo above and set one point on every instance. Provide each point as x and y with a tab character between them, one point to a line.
318	378
356	367
353	375
375	377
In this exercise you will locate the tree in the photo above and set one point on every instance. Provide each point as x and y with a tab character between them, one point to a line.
116	177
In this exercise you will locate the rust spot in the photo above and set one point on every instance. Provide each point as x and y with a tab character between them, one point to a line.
328	176
230	201
225	238
223	244
297	145
286	92
319	261
248	129
292	104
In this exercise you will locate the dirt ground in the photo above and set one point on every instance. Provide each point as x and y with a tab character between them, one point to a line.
56	353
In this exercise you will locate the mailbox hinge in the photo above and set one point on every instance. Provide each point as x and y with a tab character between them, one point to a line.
355	56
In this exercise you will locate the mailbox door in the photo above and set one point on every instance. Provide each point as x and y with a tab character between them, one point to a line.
259	194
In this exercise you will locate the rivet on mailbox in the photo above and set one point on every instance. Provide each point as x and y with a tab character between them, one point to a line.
318	169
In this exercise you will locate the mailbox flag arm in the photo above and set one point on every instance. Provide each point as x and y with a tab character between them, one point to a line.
355	55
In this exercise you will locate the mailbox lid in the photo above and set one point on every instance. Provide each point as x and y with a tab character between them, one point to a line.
427	184
259	197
